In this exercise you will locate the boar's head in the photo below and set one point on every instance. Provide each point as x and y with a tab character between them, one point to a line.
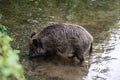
35	46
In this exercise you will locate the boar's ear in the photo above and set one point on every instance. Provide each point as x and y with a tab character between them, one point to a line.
35	42
33	34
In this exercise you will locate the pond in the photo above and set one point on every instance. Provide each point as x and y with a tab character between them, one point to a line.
24	17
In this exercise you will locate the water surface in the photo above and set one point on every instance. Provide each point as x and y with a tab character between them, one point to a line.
24	17
106	64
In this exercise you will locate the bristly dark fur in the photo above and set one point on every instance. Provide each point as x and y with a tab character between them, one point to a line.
61	38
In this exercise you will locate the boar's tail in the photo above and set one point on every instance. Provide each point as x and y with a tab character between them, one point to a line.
91	49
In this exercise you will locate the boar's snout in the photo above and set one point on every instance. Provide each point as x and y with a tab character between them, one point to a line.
35	53
32	54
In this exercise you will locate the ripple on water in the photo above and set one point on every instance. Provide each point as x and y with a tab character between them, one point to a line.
106	64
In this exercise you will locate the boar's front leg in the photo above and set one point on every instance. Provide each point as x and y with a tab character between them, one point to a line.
49	55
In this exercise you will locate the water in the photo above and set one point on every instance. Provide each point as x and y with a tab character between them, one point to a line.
23	17
105	65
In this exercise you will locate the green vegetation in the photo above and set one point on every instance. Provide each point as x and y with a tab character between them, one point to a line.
9	61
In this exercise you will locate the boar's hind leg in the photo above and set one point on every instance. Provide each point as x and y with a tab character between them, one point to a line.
79	56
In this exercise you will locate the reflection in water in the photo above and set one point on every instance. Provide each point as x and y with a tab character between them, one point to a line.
105	65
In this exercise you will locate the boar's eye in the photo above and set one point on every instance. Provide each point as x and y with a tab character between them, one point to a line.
35	42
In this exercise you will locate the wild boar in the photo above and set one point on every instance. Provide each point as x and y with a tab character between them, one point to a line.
61	38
